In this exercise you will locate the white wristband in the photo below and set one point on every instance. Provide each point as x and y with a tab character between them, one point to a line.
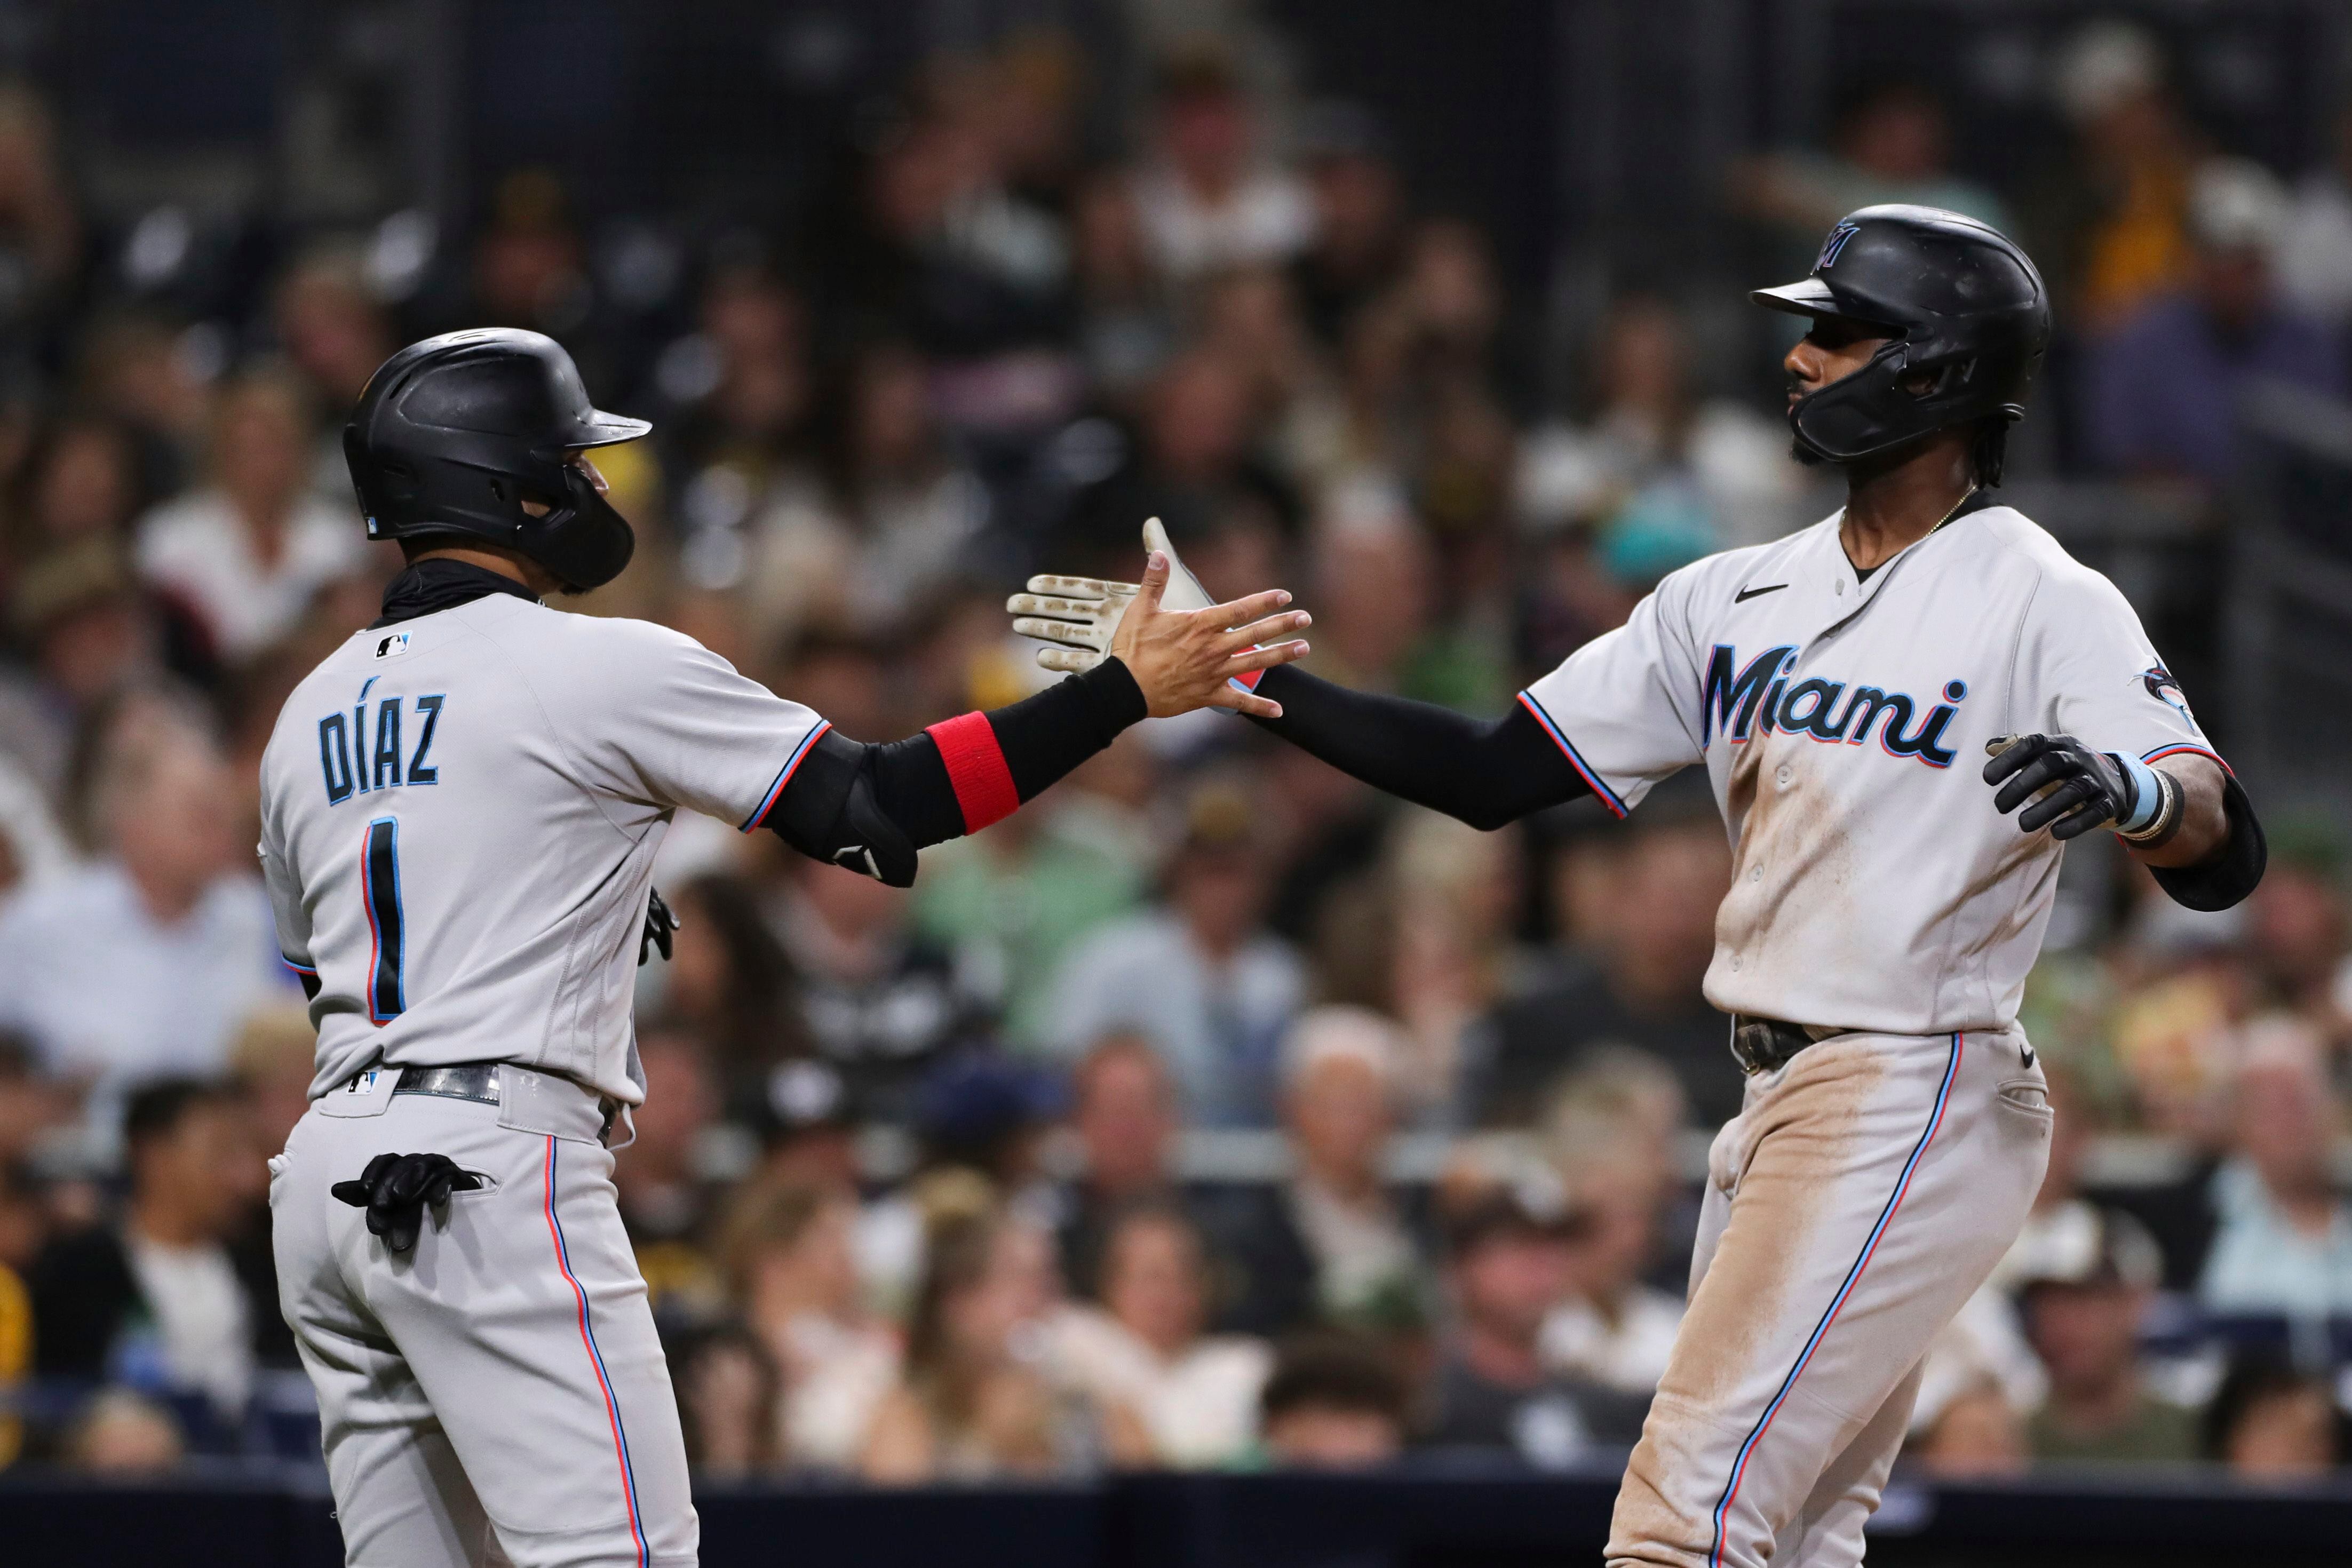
2148	795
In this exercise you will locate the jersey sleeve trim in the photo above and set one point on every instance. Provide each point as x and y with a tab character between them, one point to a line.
784	777
1593	780
311	969
2174	749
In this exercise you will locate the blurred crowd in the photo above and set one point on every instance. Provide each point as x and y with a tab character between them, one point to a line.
1213	1111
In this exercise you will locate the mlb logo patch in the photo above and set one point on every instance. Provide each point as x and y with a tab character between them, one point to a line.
392	645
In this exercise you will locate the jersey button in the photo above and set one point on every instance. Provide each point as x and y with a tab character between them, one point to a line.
1755	873
1782	776
1735	963
1840	587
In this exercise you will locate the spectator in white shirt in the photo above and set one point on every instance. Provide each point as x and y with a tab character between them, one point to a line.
1143	1351
1341	1067
248	551
789	1255
144	961
164	1302
1209	202
1612	1130
1203	981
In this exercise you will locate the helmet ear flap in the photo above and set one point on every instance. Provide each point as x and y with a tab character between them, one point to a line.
582	539
1950	377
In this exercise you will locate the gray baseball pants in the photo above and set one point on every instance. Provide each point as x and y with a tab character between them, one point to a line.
1864	1192
496	1396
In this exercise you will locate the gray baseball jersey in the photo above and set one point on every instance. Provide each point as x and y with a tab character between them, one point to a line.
1870	1183
1842	721
459	818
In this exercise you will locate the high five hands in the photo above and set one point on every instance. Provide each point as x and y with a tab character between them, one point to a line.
1183	650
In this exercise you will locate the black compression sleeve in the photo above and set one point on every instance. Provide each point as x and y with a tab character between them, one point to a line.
2230	873
1486	772
1046	736
842	786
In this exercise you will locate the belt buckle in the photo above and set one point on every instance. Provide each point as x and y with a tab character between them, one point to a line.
1760	1045
1742	1051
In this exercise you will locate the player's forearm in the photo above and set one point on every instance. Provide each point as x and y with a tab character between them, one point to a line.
871	807
2209	865
998	760
2204	825
1486	772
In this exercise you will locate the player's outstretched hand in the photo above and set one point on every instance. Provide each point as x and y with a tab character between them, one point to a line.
1080	615
1185	659
2073	789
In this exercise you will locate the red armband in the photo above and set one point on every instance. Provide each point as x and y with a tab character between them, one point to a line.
976	768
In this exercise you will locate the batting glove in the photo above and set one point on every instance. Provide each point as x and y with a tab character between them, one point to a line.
1080	615
396	1189
2072	787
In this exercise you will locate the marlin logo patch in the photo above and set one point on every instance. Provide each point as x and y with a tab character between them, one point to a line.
2165	689
1835	245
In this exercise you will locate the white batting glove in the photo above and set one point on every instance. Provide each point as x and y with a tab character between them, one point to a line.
1080	615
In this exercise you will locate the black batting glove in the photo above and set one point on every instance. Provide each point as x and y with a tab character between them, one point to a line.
396	1189
2078	789
661	927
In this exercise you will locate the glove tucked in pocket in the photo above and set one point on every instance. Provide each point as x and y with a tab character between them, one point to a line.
396	1189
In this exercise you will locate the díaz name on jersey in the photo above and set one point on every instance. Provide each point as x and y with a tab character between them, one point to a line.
352	763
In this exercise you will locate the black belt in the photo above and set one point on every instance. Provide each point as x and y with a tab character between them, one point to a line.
478	1082
1766	1045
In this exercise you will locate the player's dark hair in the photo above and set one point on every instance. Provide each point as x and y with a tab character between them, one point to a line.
1334	1372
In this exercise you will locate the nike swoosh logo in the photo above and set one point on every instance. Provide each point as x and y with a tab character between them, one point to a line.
1745	594
2028	1053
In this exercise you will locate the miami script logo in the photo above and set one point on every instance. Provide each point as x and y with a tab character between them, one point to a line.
1740	701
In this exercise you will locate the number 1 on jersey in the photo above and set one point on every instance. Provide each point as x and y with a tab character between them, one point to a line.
380	891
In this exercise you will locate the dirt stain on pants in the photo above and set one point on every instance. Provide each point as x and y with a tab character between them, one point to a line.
1860	1196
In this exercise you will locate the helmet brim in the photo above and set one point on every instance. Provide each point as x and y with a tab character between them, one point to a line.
1814	297
1806	297
604	429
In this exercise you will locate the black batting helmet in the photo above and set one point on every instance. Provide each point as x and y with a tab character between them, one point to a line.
453	433
1962	304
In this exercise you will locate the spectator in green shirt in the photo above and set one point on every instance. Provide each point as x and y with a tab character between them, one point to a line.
1015	899
2084	1301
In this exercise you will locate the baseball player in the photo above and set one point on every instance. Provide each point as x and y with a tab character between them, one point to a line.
460	811
1841	687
